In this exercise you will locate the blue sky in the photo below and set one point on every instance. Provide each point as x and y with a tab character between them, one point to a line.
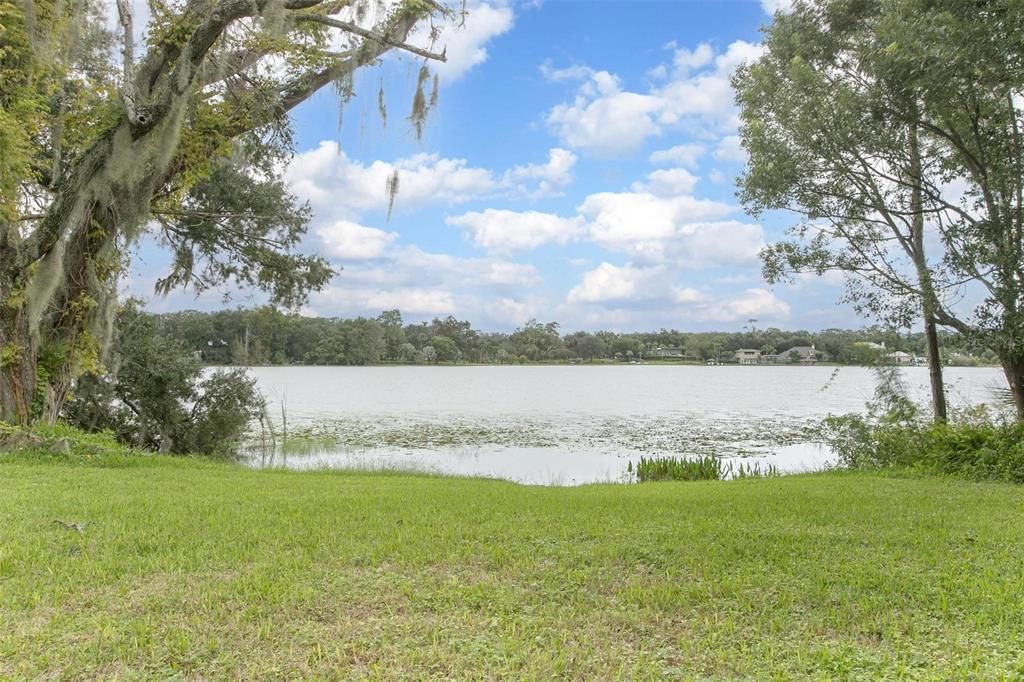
579	167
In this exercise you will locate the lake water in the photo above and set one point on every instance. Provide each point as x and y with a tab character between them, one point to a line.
567	425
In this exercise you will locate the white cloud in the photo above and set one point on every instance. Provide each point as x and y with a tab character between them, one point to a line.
339	187
730	150
686	155
350	241
669	182
686	60
410	266
433	301
510	274
707	95
503	231
465	45
615	289
339	300
550	177
603	119
422	283
607	120
569	73
752	303
680	229
336	185
609	282
510	312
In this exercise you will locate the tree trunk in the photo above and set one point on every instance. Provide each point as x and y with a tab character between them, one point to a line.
18	348
931	340
17	375
1013	368
929	300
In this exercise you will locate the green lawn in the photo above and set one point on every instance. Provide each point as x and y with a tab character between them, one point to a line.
193	569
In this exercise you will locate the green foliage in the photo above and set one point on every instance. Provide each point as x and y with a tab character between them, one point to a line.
976	451
708	468
277	337
893	435
233	227
156	395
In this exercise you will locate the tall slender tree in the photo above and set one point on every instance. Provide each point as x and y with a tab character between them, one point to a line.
949	79
819	147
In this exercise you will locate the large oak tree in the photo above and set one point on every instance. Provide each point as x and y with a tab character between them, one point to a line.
183	141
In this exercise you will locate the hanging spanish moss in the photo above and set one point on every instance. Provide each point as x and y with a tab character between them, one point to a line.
391	187
420	107
434	92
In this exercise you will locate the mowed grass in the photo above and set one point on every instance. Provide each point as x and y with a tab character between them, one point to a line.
198	570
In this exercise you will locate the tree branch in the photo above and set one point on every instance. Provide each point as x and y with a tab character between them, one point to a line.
371	35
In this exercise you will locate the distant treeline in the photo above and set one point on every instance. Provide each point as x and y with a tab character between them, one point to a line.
266	336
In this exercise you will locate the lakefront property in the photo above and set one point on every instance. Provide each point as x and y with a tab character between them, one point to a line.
511	340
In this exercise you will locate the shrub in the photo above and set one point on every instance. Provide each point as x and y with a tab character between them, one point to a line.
155	395
975	450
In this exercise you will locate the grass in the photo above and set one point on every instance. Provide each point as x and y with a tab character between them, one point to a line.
188	568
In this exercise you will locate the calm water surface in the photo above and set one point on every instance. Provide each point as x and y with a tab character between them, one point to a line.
568	425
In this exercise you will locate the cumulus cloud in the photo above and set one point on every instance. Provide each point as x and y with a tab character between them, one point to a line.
335	184
607	120
686	60
340	300
340	187
510	312
504	231
346	240
424	283
678	229
670	182
752	303
686	155
609	282
543	179
655	290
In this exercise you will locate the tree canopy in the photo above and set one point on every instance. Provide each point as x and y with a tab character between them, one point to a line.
182	136
889	124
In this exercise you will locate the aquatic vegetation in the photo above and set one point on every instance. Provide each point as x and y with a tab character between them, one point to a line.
708	468
654	436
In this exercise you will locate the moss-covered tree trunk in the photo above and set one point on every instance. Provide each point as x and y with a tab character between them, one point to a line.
18	354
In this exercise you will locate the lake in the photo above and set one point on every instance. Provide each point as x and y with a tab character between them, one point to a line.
568	425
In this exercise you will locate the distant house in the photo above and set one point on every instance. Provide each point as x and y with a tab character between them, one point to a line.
771	359
748	356
900	358
666	352
807	355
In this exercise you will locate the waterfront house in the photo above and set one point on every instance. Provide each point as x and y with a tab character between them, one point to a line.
748	356
807	355
899	358
667	352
